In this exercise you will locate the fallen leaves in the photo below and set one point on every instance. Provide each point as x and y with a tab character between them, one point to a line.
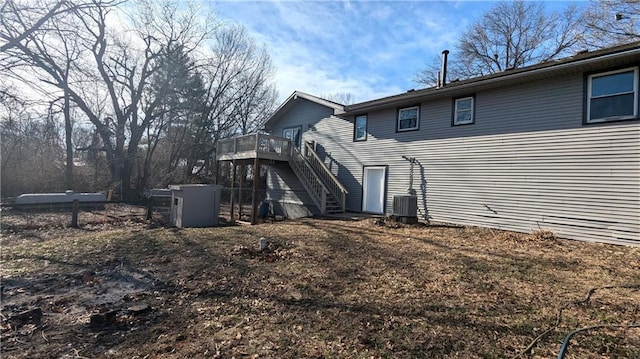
344	289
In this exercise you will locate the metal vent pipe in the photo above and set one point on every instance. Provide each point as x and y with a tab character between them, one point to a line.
443	70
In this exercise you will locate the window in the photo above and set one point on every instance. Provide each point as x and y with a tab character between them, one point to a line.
293	134
463	111
360	131
408	118
612	95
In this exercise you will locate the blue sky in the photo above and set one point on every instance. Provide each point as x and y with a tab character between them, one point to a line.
370	49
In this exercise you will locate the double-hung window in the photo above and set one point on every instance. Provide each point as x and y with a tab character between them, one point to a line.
408	118
360	128
612	95
463	111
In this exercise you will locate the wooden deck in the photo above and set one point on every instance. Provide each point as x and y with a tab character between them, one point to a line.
256	145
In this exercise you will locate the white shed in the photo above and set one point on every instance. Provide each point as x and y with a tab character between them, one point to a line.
195	205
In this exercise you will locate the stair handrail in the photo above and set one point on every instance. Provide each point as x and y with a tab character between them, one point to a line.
335	187
309	179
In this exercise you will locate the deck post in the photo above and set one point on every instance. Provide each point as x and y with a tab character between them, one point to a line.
233	180
240	199
256	182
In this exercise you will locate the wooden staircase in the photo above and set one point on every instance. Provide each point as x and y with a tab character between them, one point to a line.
332	206
323	187
327	193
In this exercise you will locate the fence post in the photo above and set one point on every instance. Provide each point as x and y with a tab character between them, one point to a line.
149	214
74	214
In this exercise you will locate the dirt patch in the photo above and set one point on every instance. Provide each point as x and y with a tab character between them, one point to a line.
317	288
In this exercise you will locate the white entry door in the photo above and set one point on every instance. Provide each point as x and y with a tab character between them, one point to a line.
373	187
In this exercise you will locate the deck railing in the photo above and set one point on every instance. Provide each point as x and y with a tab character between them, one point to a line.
256	144
333	185
309	179
314	175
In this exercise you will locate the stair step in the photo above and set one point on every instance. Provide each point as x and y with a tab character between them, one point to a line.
306	172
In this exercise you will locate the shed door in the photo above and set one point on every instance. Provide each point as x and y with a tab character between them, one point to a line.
176	211
373	188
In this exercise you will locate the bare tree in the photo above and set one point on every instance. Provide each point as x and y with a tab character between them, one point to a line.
237	78
611	22
153	85
32	152
180	85
113	77
258	96
224	92
512	34
55	47
343	98
20	19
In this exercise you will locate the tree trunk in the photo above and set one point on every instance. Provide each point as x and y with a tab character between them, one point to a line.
125	180
68	175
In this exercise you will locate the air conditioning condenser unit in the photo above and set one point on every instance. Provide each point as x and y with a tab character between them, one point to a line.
405	206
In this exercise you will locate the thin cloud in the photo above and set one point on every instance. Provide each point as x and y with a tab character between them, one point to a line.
370	49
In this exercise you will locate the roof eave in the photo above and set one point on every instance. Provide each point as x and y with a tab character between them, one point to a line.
507	76
338	109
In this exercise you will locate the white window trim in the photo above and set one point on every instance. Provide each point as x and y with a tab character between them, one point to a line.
355	128
635	95
455	112
417	126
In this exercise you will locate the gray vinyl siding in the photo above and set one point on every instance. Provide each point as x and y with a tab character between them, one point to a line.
305	114
284	187
579	183
527	163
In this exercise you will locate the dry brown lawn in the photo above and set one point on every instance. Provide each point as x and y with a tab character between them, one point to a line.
321	289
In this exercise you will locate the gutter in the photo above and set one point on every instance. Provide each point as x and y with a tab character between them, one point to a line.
416	96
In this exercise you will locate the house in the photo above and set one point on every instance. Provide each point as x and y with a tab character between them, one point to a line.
553	146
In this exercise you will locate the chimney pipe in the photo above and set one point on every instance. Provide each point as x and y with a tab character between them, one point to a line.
443	71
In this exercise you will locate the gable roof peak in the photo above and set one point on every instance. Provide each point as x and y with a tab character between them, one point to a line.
338	109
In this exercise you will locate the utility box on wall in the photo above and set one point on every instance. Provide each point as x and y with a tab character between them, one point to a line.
195	205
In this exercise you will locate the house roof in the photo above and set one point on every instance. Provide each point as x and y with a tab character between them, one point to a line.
297	96
584	61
